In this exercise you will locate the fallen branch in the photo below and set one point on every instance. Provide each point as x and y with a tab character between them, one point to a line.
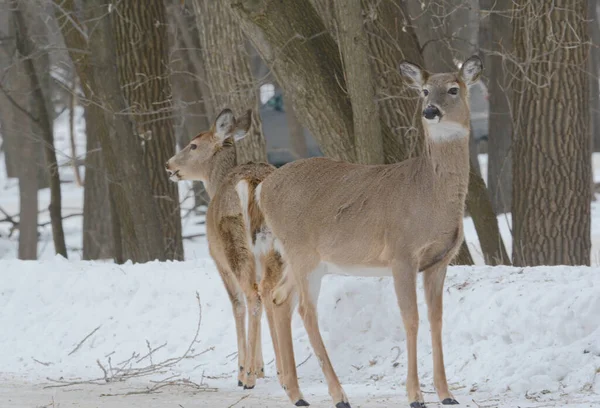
125	370
84	339
238	401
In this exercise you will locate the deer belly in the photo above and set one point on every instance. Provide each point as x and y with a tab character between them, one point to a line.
356	270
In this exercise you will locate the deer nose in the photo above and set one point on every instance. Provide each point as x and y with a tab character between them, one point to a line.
430	112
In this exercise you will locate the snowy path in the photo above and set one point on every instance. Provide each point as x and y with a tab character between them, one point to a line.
18	394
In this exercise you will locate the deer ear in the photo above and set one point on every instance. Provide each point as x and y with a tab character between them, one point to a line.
242	126
470	71
224	124
414	74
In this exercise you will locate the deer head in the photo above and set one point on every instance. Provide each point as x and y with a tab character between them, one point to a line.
195	161
444	97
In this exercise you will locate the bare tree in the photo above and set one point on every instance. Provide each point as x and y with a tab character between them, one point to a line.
551	143
142	56
228	72
45	121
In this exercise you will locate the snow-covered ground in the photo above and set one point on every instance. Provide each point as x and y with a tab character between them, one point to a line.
513	337
531	335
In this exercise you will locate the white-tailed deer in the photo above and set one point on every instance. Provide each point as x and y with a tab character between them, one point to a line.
248	264
378	220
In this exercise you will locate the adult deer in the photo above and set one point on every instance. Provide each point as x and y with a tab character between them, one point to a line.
249	266
378	220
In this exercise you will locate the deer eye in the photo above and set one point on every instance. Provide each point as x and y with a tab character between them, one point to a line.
425	92
453	91
193	147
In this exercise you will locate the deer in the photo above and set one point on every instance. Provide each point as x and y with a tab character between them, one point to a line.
248	264
399	220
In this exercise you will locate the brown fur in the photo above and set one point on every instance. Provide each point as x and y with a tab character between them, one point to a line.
402	217
212	161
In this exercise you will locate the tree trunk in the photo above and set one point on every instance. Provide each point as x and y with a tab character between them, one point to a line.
297	139
142	62
45	119
229	73
500	120
391	40
98	242
28	200
98	219
193	113
594	24
464	256
551	142
486	223
72	106
354	46
134	208
292	40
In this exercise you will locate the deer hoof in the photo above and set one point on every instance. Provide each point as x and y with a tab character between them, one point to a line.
417	404
342	405
240	384
248	388
450	401
301	403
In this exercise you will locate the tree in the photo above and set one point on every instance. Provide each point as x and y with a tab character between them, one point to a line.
136	225
229	74
142	62
500	122
354	46
551	142
45	119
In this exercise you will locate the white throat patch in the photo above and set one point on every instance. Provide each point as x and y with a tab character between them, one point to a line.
445	131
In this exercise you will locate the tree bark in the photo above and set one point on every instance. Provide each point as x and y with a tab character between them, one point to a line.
391	40
298	141
98	238
45	119
486	223
500	120
292	40
551	142
594	24
142	62
28	200
229	73
354	47
98	219
134	208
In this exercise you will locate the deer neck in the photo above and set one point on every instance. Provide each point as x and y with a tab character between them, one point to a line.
448	155
217	168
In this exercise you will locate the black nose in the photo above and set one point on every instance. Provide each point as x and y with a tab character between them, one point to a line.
431	112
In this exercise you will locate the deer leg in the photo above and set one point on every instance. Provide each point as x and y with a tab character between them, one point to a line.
271	275
405	284
260	363
238	305
308	288
254	305
433	280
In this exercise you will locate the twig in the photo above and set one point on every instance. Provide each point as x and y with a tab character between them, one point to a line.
194	236
84	339
41	362
238	401
305	360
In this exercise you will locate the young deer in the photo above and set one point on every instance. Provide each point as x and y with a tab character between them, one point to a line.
378	220
249	266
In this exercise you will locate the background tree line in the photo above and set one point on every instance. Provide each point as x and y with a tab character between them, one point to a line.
149	75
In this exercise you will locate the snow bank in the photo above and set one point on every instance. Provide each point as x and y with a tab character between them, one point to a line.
506	330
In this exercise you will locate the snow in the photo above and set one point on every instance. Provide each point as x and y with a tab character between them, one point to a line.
508	332
512	337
